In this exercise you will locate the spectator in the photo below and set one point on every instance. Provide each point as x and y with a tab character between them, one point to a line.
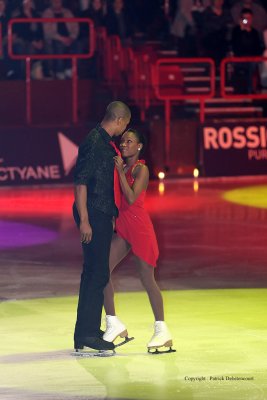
158	27
60	38
3	50
118	21
259	13
183	27
197	12
41	5
246	39
263	71
96	11
216	25
3	18
28	37
246	42
73	6
13	7
84	4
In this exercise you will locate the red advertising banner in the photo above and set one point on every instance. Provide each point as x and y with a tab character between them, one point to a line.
230	149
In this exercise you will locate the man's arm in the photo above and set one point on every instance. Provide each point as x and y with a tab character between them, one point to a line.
80	193
84	169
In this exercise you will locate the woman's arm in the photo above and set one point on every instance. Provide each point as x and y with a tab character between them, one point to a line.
140	183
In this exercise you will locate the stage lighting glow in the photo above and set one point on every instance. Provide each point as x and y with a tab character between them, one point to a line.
196	173
161	188
252	196
196	186
18	234
43	368
161	175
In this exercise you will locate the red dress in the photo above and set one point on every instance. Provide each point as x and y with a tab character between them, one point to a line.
134	225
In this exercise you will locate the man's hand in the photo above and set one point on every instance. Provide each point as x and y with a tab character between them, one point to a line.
66	40
86	232
38	44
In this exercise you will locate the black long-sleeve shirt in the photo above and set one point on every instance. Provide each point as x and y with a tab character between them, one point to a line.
29	31
95	169
246	43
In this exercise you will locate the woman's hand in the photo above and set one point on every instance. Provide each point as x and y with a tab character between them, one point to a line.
119	163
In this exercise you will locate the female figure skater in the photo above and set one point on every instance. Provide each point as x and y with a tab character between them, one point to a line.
134	230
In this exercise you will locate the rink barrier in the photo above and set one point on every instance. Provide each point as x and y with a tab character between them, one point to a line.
224	70
73	57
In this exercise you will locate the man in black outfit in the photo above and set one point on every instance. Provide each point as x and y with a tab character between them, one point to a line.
94	210
246	42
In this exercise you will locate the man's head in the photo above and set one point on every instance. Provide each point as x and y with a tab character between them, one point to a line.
56	4
217	3
118	5
27	4
246	17
117	117
2	6
97	5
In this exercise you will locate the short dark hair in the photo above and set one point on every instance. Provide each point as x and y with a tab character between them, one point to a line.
117	109
246	11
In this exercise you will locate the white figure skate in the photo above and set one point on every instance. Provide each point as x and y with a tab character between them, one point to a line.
114	329
160	338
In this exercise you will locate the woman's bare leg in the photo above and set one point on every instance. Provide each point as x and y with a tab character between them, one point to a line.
119	249
146	273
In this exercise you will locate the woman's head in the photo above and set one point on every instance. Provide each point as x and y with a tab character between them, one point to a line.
132	143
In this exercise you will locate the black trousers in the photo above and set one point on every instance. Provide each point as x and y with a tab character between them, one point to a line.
95	274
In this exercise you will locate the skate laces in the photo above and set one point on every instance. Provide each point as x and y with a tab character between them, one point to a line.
110	327
157	329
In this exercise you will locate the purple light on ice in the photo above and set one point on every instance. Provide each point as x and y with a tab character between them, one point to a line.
16	234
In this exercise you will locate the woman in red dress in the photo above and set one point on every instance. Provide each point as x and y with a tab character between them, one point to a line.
134	230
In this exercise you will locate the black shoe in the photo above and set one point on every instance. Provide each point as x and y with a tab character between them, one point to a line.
80	340
95	343
101	333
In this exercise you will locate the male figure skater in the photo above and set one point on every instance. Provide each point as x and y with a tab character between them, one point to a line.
93	210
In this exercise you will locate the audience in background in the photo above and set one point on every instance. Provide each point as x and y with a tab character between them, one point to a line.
263	69
246	39
41	5
158	27
199	28
118	21
215	29
3	57
60	38
28	37
246	42
184	27
96	12
3	17
259	13
84	4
